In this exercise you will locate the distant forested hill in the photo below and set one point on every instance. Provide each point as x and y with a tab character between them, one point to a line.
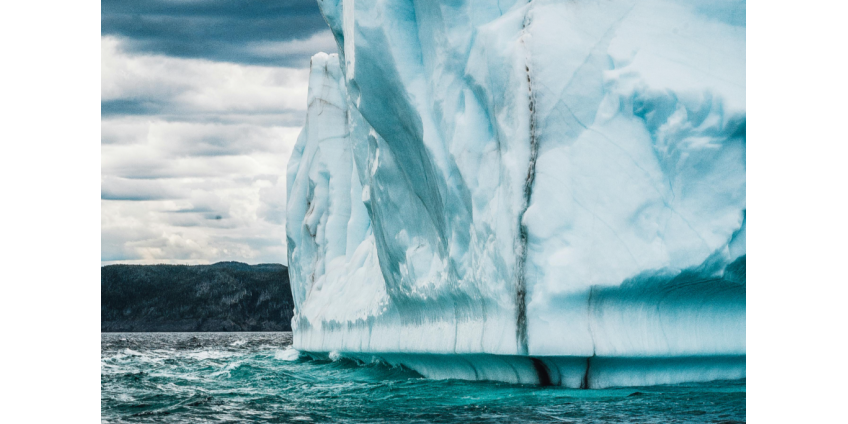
226	296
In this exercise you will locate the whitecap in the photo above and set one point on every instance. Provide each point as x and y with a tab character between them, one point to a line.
290	354
209	354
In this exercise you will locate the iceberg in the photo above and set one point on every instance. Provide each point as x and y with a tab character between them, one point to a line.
539	192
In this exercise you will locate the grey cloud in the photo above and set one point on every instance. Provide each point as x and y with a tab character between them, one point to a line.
211	154
216	220
178	113
120	127
217	30
220	140
115	188
167	109
131	107
211	170
201	209
180	90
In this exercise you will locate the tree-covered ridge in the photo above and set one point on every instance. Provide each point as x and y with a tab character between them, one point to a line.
226	296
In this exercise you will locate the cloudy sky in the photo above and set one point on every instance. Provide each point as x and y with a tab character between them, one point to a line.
201	104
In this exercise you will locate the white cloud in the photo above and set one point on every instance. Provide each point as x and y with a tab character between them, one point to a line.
218	219
178	189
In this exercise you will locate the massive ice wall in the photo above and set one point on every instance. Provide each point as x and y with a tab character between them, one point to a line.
541	187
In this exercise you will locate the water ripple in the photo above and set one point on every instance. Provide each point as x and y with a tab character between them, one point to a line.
231	377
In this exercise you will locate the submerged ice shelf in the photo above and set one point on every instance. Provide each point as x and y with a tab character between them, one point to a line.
571	372
526	191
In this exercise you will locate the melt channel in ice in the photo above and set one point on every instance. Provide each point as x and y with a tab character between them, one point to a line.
533	192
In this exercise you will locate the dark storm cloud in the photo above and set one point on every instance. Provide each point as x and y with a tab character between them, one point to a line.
220	30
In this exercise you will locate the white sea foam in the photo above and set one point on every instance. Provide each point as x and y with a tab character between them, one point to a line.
210	354
289	354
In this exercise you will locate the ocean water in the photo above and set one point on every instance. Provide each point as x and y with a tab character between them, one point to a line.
257	377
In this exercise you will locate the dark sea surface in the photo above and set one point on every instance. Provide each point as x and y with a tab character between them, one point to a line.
256	377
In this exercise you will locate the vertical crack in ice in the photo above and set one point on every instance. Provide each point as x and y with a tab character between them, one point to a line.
589	318
521	248
585	383
455	325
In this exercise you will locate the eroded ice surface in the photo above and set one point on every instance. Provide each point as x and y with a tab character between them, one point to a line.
559	180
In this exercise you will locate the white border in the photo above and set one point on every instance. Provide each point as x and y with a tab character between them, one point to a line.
49	160
796	101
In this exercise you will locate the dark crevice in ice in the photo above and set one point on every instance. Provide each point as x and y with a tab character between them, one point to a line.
521	248
585	383
589	314
541	371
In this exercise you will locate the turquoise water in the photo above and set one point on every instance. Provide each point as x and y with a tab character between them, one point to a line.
233	377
